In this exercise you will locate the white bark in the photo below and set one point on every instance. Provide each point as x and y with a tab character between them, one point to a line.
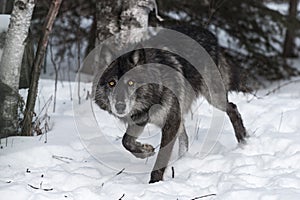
135	15
10	65
107	14
15	42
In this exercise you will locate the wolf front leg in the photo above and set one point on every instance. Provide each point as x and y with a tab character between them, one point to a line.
138	149
170	131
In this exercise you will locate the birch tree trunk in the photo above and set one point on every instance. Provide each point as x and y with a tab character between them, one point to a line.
107	17
10	65
114	16
135	15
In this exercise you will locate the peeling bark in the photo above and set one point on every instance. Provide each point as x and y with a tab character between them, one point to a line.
135	15
108	13
117	16
10	65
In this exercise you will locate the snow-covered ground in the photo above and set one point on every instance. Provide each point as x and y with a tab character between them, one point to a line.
69	163
266	168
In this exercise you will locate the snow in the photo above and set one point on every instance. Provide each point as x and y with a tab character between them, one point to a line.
267	167
4	19
178	15
280	7
4	22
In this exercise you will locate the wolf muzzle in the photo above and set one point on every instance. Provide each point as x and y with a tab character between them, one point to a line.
120	107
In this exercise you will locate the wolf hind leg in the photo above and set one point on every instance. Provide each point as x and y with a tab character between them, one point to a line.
234	115
237	122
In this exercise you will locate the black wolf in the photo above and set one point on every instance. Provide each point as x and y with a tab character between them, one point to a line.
138	88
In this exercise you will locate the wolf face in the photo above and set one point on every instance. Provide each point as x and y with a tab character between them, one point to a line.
124	85
121	95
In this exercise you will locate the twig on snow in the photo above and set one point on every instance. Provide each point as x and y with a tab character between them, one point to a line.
173	172
122	197
273	90
204	196
281	116
40	188
63	159
117	174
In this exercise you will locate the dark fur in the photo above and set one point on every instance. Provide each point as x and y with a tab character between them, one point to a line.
155	103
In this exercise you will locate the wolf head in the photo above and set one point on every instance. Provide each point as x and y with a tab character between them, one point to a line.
124	86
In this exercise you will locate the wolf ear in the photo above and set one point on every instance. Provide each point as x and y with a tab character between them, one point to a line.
106	55
138	56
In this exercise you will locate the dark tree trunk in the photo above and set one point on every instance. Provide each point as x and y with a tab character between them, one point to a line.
39	58
92	37
289	42
6	6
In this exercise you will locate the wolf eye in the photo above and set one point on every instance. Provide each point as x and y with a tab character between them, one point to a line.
130	83
112	83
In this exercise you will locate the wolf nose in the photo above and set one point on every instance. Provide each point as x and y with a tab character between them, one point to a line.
120	107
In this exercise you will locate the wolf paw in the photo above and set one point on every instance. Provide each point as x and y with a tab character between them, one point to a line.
144	151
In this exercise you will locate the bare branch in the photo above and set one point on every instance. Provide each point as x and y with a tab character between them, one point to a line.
32	93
